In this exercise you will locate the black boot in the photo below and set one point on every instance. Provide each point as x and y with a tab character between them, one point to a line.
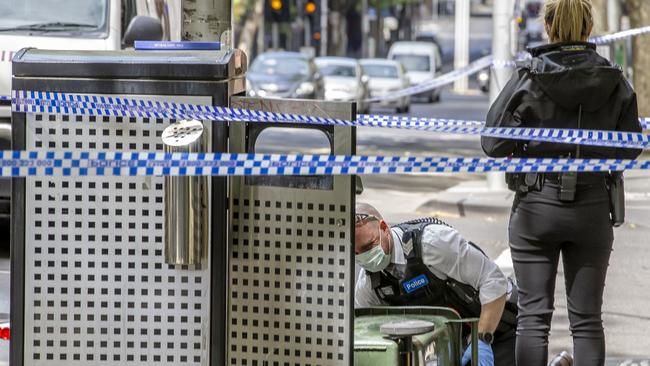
562	359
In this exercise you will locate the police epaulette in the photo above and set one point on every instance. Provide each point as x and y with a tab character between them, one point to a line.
427	220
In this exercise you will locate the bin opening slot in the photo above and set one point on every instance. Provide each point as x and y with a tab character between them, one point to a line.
265	138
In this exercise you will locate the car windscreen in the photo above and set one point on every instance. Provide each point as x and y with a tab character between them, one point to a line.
347	71
57	16
414	62
280	66
381	71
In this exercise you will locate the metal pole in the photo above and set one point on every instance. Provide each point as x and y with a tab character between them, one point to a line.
502	39
260	36
207	20
307	24
434	9
461	49
614	15
275	34
324	16
365	28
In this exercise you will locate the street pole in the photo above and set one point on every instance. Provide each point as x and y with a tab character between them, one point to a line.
502	38
208	20
613	15
461	48
307	24
617	49
365	28
324	16
275	35
261	30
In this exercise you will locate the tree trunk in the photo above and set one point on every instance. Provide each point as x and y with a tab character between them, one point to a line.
206	20
639	12
600	17
251	27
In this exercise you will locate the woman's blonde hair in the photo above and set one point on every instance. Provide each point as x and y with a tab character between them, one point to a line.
568	20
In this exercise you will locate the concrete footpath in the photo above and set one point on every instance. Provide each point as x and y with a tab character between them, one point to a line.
472	198
482	217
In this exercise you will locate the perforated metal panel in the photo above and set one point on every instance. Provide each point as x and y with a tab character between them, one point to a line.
97	290
291	268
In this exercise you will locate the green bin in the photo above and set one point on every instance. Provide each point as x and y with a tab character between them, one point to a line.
443	344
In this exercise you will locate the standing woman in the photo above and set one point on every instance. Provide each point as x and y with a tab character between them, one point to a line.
566	85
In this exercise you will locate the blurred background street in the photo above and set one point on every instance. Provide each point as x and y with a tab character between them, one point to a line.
364	51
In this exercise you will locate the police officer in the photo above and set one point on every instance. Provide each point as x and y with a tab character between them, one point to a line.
427	263
566	85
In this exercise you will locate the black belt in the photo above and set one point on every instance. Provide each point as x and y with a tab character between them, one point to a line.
583	178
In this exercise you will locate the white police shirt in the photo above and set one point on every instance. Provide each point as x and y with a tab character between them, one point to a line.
446	254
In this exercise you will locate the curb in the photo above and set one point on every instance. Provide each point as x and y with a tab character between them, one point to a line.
468	199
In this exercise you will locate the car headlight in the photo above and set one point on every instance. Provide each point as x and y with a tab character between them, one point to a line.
251	90
305	88
484	76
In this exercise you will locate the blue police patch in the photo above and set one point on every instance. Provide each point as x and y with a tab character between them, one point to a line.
415	283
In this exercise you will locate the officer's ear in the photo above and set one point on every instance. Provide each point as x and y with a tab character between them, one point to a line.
383	225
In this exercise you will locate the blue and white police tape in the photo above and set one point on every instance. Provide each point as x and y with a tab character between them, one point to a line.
62	103
488	61
609	38
438	82
69	163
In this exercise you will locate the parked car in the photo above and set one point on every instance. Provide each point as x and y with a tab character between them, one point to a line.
284	75
422	62
344	81
483	79
385	77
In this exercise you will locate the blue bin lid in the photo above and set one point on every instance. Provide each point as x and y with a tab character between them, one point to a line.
173	45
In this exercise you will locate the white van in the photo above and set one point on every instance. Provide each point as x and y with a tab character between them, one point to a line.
422	61
104	25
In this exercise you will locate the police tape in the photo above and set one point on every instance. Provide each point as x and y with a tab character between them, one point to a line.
99	163
609	38
435	83
489	61
93	105
395	121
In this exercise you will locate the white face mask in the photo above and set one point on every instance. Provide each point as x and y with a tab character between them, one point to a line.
373	260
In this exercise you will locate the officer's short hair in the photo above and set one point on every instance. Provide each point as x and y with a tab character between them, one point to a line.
367	209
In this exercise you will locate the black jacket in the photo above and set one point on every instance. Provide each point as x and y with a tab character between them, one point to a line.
547	92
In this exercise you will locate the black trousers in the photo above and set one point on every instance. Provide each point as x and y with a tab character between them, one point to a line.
504	349
541	227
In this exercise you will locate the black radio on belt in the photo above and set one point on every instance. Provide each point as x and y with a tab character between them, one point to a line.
616	190
569	180
568	183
